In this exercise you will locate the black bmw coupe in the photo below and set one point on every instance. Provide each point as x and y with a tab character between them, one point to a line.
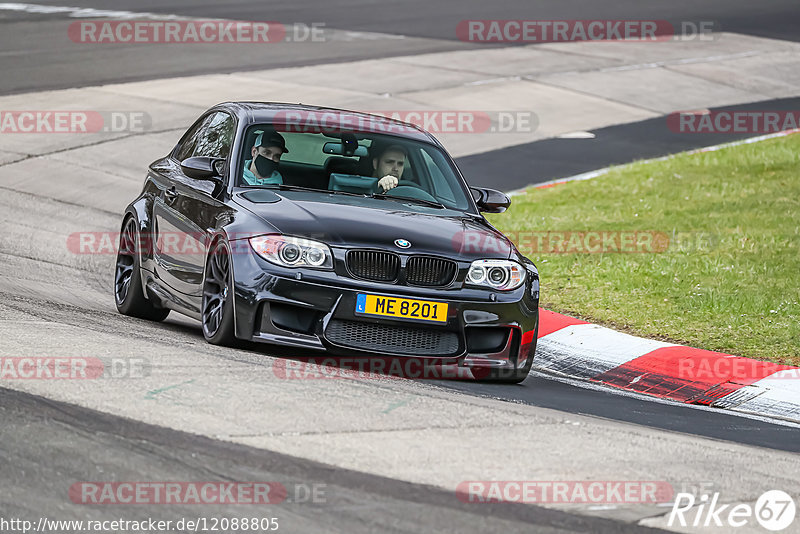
329	230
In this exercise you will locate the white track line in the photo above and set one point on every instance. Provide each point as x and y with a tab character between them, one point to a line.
82	12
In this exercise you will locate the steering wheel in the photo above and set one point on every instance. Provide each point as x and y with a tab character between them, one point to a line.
409	189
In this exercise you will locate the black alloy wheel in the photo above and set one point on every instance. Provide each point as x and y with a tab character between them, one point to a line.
128	294
217	304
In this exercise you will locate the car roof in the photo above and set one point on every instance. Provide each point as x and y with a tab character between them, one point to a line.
259	112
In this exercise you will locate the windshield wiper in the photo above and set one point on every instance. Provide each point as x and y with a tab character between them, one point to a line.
430	203
382	196
286	187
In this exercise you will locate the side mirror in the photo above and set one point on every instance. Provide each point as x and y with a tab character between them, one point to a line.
204	168
490	200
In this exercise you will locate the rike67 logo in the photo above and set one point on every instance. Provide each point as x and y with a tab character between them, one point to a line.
774	510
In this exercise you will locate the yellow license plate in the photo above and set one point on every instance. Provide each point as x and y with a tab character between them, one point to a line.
421	310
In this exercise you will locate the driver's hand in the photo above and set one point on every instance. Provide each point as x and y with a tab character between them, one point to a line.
388	182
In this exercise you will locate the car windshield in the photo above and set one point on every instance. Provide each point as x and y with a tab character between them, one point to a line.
351	162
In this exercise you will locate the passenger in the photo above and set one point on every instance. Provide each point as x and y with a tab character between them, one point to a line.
266	153
388	166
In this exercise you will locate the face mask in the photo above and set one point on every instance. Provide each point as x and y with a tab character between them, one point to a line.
265	166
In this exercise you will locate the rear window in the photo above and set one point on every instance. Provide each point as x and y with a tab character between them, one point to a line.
306	148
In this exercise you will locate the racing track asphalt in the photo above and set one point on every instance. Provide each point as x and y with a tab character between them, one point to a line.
777	19
715	424
48	446
554	158
45	442
36	53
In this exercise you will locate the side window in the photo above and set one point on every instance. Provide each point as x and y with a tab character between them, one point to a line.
441	188
187	147
215	136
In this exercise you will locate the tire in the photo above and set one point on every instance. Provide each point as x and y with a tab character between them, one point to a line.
217	303
128	294
504	376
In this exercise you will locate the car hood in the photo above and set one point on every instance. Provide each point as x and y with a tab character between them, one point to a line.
344	221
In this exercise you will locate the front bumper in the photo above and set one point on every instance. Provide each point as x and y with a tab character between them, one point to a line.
315	311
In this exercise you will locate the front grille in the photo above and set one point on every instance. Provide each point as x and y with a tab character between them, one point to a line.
427	271
373	265
392	339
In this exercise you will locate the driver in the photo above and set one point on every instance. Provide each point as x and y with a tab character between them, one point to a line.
266	153
388	166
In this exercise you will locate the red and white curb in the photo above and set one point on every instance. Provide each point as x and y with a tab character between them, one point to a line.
579	350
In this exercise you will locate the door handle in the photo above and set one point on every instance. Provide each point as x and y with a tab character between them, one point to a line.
170	195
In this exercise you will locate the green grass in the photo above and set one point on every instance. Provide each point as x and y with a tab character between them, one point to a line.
729	280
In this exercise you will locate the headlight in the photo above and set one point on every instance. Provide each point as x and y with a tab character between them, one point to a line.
504	275
293	251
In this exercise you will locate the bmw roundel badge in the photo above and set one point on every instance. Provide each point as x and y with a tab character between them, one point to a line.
402	243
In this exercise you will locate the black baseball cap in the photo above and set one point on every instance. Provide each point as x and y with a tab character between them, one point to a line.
270	139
